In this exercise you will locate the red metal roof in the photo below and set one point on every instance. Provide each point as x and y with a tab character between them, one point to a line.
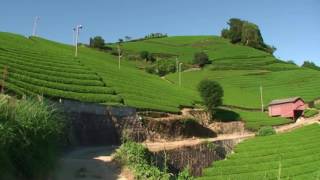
283	101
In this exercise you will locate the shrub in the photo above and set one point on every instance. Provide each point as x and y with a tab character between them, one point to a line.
266	131
138	158
317	106
185	174
211	93
310	113
201	59
29	132
162	67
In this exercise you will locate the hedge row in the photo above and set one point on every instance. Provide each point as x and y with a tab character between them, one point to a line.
55	79
65	87
56	93
52	58
51	68
48	72
44	61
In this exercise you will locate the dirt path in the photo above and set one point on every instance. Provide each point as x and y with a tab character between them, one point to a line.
88	163
168	145
300	123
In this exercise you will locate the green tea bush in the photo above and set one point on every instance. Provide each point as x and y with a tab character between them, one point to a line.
30	132
310	113
266	131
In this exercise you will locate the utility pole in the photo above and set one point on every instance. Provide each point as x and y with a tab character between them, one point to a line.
74	36
180	64
78	27
35	24
119	56
261	99
177	64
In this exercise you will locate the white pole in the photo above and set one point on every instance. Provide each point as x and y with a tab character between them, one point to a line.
76	42
35	23
119	57
77	38
261	99
74	36
177	64
180	74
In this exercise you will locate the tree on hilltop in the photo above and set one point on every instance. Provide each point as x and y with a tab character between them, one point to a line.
246	33
97	42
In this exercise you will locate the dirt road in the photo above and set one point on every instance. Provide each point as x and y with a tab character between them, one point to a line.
88	163
168	145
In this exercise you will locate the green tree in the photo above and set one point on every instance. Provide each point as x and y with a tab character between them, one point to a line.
201	58
235	30
225	33
144	55
246	33
310	65
97	42
211	93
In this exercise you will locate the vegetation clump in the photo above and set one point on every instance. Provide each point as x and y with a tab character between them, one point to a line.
310	65
97	42
211	93
201	59
266	131
246	33
30	132
310	113
138	159
155	35
161	67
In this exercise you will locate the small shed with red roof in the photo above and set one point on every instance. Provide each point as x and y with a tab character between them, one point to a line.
288	108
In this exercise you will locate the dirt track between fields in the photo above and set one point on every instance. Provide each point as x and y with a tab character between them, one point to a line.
88	163
169	145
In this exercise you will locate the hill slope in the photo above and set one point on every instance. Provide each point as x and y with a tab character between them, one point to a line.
38	66
241	70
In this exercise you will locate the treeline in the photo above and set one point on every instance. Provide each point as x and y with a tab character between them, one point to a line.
246	33
310	65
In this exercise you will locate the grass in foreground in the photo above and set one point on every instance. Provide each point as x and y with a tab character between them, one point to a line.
293	155
29	135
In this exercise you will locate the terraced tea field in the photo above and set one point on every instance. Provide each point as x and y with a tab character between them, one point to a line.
242	87
38	66
293	155
254	120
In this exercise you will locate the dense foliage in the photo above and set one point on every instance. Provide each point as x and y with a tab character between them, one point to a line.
246	33
162	67
29	135
201	59
293	155
311	65
266	131
138	159
310	113
97	42
211	93
155	35
145	55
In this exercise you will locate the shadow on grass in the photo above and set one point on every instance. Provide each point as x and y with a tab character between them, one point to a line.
225	115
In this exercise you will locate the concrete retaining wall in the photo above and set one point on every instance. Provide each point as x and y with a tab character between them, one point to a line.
95	124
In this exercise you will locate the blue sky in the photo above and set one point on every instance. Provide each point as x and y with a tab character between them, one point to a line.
292	26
